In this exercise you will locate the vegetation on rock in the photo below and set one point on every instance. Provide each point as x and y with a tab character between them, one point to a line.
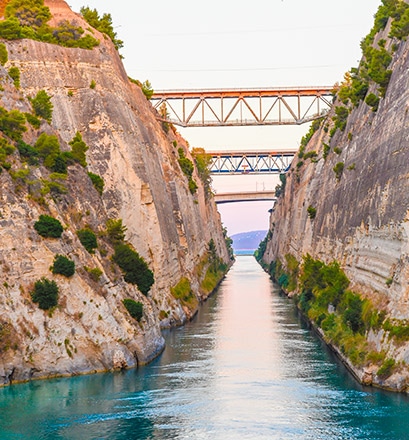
134	308
88	239
187	167
29	19
102	24
134	267
63	266
42	105
45	293
97	181
48	227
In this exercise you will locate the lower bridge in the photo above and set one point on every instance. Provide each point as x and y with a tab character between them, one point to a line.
244	196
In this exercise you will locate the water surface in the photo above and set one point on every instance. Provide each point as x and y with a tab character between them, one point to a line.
247	367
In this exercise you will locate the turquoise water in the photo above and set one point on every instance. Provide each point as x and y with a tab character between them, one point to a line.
246	368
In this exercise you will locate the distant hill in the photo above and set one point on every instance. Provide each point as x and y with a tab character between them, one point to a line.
247	241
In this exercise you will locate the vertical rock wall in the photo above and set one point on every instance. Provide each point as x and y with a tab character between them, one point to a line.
170	228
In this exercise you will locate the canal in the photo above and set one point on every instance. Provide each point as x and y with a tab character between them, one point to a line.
247	367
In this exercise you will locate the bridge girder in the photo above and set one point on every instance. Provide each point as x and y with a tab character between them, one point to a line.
245	196
251	162
243	107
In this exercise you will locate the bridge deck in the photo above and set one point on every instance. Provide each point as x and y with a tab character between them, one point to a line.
245	196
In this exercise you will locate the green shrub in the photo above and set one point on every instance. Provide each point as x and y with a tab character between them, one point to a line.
102	24
337	150
42	105
352	166
95	273
386	368
33	120
67	34
48	226
352	314
28	152
115	230
93	84
338	170
187	167
135	269
310	155
45	293
182	290
325	151
203	162
14	74
97	181
373	101
341	117
12	123
63	266
48	148
312	212
29	18
78	149
88	239
135	308
10	29
4	56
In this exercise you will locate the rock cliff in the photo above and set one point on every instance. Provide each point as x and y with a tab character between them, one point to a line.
357	212
171	228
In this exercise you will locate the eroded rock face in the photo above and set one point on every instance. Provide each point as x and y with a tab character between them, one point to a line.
362	218
91	330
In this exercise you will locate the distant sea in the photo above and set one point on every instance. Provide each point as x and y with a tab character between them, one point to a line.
245	243
239	252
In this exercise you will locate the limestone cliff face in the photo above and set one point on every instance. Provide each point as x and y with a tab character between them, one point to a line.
144	186
362	218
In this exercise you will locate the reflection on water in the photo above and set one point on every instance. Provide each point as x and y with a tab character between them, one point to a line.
246	368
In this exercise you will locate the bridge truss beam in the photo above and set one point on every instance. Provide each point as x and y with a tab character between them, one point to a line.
229	162
242	107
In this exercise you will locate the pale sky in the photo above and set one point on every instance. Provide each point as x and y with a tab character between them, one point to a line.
183	44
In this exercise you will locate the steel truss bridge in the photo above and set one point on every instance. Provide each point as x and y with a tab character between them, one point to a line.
242	107
250	162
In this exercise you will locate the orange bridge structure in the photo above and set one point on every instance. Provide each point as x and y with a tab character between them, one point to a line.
242	107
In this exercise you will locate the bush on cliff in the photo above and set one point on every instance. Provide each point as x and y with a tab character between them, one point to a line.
134	308
12	123
97	181
103	24
29	19
48	226
4	56
135	268
88	239
42	105
78	149
63	266
45	293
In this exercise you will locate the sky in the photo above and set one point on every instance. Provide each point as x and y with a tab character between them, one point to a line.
183	44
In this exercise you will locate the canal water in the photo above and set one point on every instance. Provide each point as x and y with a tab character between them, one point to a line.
247	367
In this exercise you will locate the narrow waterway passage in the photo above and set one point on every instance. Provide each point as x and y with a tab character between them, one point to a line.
246	368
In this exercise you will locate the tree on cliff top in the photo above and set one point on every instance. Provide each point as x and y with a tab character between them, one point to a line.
102	24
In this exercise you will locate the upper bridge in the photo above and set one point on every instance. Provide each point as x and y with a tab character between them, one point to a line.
242	107
251	162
